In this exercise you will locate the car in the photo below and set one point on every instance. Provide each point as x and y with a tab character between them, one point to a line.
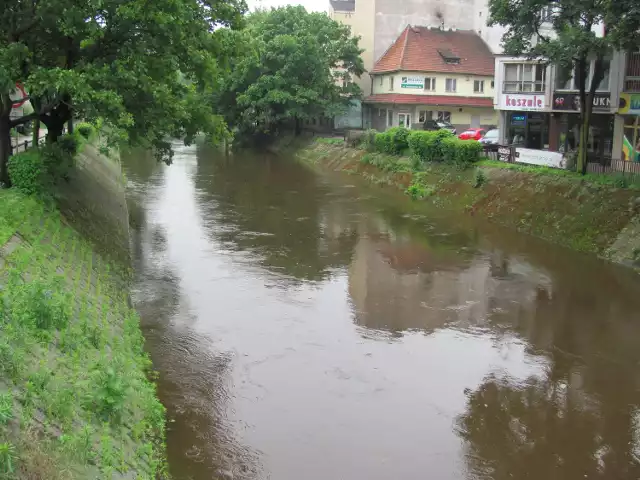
472	134
491	137
439	125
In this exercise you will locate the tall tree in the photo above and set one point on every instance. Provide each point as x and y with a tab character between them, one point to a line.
144	68
290	65
572	42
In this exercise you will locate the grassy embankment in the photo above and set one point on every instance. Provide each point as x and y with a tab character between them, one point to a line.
583	213
75	400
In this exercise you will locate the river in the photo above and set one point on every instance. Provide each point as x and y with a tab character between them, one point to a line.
311	326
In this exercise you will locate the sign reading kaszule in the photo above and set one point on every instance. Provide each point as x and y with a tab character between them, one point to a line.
571	101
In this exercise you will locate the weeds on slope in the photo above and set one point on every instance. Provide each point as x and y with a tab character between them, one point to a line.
75	401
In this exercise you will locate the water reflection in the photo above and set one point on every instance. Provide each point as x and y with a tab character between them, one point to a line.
308	327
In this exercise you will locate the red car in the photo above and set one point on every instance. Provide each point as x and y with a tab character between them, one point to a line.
472	134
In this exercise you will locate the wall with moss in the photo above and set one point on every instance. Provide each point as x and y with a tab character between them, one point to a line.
590	214
75	397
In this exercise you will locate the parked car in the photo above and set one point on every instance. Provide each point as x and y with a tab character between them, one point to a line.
491	137
472	134
439	125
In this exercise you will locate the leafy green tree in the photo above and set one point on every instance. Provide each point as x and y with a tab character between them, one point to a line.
146	69
289	65
572	42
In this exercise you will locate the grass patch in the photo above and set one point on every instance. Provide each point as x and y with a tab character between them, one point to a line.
329	141
71	357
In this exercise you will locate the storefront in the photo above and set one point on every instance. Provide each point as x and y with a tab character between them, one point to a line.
565	126
630	112
524	121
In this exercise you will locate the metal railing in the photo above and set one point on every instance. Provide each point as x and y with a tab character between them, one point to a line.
23	146
521	86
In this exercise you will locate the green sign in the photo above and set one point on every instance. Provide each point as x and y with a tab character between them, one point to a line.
412	82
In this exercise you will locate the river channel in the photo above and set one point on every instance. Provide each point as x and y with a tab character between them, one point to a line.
309	326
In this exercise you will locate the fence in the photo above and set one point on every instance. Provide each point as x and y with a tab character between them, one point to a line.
24	145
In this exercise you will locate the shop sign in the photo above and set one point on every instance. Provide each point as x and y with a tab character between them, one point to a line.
506	153
629	104
412	82
539	157
571	101
519	101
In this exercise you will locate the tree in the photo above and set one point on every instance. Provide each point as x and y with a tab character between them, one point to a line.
144	68
572	42
290	65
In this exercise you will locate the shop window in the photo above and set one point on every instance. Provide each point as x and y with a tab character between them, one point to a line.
631	139
478	86
429	84
528	130
600	138
451	84
444	117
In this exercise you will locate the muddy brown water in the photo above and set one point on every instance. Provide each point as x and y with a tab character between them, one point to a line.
310	326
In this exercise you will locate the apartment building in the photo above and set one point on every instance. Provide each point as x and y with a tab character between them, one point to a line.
433	73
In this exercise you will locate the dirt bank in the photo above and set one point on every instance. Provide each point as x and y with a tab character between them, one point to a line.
580	214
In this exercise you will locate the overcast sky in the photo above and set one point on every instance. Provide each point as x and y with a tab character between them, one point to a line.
311	5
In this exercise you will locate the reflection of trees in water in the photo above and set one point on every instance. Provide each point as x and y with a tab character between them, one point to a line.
581	419
271	209
193	376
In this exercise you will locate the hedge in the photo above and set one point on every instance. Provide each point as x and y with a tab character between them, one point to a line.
426	146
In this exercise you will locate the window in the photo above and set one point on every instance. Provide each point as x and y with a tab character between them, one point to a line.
444	117
404	120
632	73
524	77
379	112
424	115
493	84
390	83
429	84
450	84
565	78
381	80
389	118
478	86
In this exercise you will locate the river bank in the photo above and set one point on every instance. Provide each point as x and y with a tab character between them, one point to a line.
590	216
75	399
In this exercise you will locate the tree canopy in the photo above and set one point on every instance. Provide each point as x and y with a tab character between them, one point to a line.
146	69
570	34
289	65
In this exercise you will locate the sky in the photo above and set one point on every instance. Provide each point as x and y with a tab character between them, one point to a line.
311	5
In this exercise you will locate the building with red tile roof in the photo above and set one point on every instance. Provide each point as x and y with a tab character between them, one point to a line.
434	73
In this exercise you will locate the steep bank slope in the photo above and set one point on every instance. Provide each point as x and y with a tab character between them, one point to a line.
75	401
584	216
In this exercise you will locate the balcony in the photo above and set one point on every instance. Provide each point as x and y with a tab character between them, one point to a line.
522	86
632	73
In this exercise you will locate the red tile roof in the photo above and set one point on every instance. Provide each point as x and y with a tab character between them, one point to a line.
435	100
421	49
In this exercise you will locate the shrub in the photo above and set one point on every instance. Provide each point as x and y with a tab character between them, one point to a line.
418	191
384	143
68	144
399	139
427	145
460	152
86	130
58	159
28	172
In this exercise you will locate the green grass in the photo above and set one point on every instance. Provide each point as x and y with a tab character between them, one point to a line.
78	403
610	180
330	141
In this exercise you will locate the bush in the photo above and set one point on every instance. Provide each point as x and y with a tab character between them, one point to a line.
86	130
480	178
399	139
28	172
419	191
384	143
68	144
460	152
58	160
427	145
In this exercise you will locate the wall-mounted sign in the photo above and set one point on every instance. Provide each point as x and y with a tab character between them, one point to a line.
629	104
539	157
412	82
518	120
571	101
520	101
